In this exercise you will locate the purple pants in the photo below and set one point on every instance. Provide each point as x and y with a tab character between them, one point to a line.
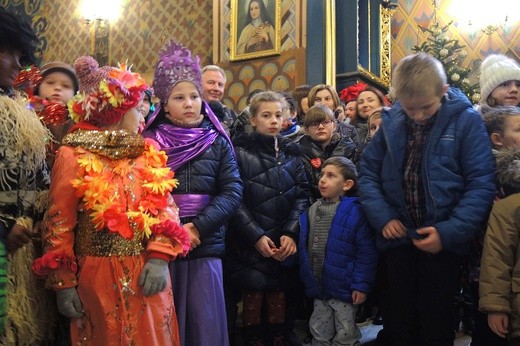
199	301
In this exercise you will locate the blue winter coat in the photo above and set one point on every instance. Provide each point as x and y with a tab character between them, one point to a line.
458	172
350	254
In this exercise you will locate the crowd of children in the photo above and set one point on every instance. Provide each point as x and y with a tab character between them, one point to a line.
155	223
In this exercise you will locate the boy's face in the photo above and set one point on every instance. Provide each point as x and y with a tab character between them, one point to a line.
510	139
57	86
9	67
507	93
421	109
332	184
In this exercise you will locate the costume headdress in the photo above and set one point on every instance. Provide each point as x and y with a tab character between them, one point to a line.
351	93
105	93
495	70
175	65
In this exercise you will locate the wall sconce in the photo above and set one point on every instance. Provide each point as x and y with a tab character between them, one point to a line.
98	15
479	15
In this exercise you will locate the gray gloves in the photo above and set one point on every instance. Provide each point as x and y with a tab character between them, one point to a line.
154	277
69	303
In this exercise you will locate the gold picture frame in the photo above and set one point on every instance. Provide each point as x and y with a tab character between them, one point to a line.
255	37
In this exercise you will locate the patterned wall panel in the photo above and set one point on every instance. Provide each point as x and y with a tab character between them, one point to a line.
406	34
138	35
68	36
275	73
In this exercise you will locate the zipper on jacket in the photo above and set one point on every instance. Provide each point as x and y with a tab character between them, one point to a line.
425	170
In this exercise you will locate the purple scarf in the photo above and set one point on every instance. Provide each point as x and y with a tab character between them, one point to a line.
184	144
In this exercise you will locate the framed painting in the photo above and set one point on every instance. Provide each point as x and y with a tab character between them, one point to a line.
255	28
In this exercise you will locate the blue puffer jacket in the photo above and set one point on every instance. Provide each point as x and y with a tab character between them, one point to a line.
458	172
350	256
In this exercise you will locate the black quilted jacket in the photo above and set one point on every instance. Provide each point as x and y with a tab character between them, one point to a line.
275	194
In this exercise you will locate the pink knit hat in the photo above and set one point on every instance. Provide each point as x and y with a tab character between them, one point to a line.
175	65
105	93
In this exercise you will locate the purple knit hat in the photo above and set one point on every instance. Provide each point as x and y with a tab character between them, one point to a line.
175	65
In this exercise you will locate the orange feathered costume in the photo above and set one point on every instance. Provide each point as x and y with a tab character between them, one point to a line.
109	212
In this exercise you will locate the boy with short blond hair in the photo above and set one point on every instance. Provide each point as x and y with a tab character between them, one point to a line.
426	184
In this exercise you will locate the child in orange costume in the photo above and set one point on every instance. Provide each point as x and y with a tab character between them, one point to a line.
112	227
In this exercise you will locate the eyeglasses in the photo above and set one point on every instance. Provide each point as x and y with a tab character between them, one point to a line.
325	123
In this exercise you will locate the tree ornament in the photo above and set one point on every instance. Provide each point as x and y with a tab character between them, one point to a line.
443	52
455	77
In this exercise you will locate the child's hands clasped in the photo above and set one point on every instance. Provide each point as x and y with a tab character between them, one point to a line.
431	242
286	249
498	322
266	247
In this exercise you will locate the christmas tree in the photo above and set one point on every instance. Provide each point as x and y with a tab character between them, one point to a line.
451	54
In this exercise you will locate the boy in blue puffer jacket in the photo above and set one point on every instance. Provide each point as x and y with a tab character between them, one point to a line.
337	254
426	184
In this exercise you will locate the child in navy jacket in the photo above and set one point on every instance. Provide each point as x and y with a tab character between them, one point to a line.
337	254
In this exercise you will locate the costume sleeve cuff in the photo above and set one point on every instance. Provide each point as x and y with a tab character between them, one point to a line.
159	255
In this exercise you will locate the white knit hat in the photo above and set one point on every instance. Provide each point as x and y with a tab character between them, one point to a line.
495	70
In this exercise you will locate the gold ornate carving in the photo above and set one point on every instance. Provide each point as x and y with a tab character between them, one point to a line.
385	17
386	39
371	76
